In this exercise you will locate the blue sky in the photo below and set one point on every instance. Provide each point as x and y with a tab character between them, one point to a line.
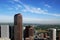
33	11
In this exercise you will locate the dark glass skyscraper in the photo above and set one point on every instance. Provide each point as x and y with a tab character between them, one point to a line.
18	27
29	33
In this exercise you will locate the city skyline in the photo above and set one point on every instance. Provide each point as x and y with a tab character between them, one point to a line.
33	11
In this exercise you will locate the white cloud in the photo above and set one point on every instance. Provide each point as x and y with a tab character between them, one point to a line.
34	10
38	11
30	9
47	5
18	6
41	21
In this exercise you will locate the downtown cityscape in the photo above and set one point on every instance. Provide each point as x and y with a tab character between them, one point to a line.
18	31
29	19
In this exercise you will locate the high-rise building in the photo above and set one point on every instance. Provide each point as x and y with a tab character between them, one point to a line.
26	32
58	34
11	32
4	31
18	27
29	33
52	34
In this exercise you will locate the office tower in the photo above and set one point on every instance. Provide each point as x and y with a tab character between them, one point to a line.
11	32
29	33
52	34
4	31
58	34
26	32
18	27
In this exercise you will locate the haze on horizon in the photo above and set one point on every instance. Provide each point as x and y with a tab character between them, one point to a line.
33	11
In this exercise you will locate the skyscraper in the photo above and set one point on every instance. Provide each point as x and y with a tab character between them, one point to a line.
58	34
18	27
4	31
26	32
29	33
52	34
11	32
